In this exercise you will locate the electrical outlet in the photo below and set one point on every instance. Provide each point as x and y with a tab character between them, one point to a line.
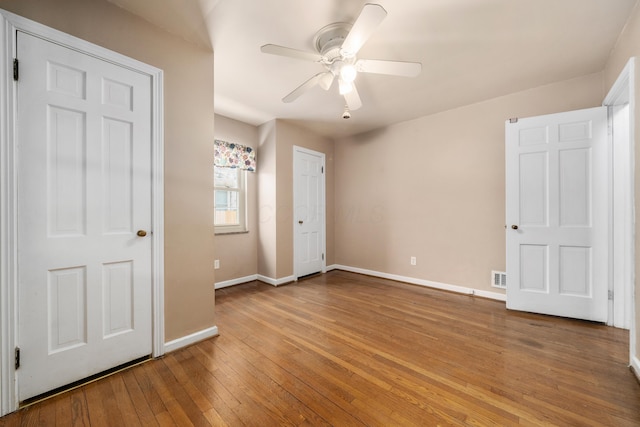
413	260
216	264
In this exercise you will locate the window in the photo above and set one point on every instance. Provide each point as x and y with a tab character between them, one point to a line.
230	200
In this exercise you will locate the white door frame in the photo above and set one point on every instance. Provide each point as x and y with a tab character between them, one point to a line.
324	214
9	25
623	92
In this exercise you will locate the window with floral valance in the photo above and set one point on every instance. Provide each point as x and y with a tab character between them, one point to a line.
231	163
232	155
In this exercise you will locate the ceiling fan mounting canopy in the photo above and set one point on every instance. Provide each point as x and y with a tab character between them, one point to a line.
329	39
337	45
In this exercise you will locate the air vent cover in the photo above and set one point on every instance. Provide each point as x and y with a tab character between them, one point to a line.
499	279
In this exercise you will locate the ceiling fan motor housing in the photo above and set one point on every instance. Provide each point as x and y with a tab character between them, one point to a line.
328	40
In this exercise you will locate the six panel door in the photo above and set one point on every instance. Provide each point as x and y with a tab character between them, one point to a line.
557	217
309	212
84	184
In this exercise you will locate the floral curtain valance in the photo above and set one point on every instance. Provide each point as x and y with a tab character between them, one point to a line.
231	155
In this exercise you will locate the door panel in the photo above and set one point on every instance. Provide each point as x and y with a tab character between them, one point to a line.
117	285
575	187
66	173
533	189
118	174
575	271
84	189
557	217
534	265
67	322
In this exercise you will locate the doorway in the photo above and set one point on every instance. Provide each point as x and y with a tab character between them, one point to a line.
309	212
84	215
65	73
621	104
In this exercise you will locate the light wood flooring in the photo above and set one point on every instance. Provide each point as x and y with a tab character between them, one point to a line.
343	349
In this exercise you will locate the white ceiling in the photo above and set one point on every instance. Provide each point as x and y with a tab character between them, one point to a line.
471	50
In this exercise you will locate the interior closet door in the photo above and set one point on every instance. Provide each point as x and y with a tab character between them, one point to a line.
84	215
309	211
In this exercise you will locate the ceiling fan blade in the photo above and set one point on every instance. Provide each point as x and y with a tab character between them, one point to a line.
370	17
393	68
326	80
353	99
274	49
295	94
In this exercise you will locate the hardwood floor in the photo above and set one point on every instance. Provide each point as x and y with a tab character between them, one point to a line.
343	349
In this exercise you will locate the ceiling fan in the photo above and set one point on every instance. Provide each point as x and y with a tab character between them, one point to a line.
337	46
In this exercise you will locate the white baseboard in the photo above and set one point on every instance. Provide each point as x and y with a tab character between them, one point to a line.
239	280
430	284
190	339
490	295
436	285
265	279
276	282
635	366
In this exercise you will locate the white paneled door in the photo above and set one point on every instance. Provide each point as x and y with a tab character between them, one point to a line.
557	214
84	215
309	212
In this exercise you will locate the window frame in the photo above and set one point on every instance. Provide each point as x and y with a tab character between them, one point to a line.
241	227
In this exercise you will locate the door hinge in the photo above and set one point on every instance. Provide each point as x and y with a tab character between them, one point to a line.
321	169
610	295
513	120
16	71
323	257
17	357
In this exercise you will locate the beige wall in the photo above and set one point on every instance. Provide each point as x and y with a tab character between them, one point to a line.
628	46
434	188
238	253
267	215
277	138
188	135
288	135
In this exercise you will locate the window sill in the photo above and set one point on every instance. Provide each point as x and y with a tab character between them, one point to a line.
226	233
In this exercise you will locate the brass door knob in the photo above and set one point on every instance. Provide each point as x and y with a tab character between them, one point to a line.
515	227
141	233
300	222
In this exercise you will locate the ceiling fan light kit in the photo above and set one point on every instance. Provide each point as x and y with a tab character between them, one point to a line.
337	45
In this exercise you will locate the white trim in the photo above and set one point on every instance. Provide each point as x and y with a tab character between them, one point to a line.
191	339
611	206
8	227
635	366
276	282
427	283
323	226
621	223
619	92
622	92
490	295
20	23
9	24
331	267
238	281
157	206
